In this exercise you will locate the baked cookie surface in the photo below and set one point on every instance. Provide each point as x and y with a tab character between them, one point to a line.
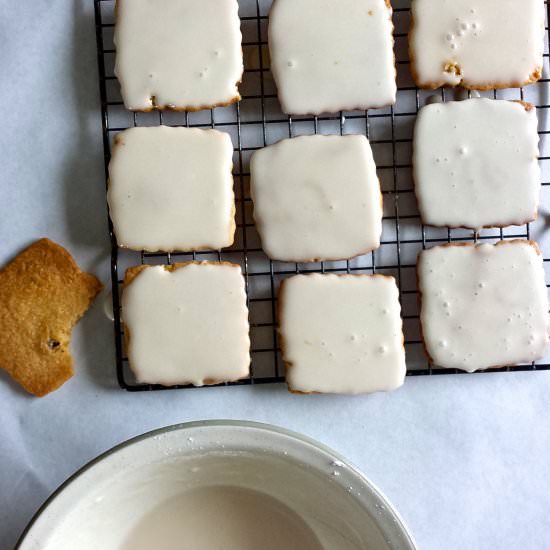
331	56
475	163
178	54
172	189
341	333
483	306
186	323
316	198
43	294
478	44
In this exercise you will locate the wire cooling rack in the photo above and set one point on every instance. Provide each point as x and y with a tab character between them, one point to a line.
258	121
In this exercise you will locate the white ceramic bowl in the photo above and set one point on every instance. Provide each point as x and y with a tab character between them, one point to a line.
126	498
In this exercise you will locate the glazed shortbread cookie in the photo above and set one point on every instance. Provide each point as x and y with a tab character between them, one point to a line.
475	163
172	189
478	44
483	306
316	198
178	54
329	56
341	333
186	323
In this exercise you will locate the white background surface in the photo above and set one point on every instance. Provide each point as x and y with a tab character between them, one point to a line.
465	459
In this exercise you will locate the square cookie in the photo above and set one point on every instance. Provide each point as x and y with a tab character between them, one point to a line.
178	54
477	44
483	306
329	56
186	323
475	163
172	189
316	198
341	333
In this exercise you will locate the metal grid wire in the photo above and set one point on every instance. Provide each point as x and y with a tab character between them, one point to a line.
257	121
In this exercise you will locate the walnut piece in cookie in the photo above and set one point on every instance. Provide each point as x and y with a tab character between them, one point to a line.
43	294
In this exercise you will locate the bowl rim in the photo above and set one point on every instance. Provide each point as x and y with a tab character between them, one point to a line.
408	539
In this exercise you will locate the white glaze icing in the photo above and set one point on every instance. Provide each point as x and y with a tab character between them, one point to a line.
189	325
342	333
494	43
475	163
172	189
328	56
244	520
483	306
184	53
316	198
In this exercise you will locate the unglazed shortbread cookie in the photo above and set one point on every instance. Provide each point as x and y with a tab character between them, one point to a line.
329	56
478	44
475	163
341	333
186	323
43	294
483	306
172	189
178	54
316	198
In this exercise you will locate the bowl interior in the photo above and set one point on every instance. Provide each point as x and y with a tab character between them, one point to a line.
198	486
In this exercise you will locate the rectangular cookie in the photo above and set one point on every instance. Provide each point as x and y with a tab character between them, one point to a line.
316	198
476	44
341	333
172	189
483	306
178	54
329	56
475	163
186	323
